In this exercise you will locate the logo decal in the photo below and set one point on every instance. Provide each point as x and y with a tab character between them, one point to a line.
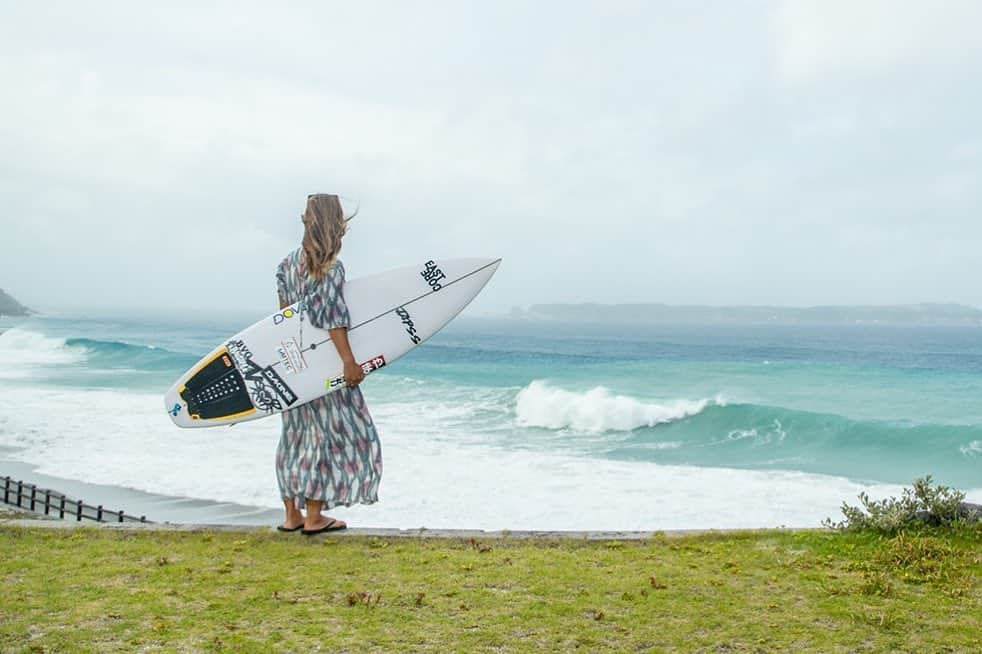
291	357
410	326
264	399
264	383
175	410
286	314
371	365
279	385
432	274
240	353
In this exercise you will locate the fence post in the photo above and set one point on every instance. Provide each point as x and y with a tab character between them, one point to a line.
143	518
47	501
20	492
6	490
78	511
98	514
120	515
61	508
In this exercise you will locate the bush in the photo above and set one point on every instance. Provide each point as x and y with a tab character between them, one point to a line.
934	505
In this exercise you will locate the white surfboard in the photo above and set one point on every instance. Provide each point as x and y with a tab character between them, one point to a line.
283	361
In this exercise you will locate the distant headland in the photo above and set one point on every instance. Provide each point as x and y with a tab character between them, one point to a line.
903	314
11	307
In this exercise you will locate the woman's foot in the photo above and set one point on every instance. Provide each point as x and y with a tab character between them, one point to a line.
320	523
294	518
317	523
292	524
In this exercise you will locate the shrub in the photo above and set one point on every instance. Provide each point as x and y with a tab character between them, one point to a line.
934	505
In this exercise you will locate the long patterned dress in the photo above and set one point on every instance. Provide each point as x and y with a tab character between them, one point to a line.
329	449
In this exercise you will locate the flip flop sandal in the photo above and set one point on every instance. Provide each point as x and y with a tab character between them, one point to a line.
282	528
331	526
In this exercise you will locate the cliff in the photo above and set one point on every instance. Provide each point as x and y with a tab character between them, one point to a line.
11	307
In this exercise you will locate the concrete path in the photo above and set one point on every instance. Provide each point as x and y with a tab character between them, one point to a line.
26	520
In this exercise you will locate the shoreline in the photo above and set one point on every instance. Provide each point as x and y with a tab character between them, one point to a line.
177	510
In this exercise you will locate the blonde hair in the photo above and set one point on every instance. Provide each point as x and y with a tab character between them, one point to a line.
324	227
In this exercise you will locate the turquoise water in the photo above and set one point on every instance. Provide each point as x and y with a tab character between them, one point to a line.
510	424
867	403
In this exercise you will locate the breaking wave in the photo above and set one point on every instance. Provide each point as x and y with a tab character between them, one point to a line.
23	352
597	410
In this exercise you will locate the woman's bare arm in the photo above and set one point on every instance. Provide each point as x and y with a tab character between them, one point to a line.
353	373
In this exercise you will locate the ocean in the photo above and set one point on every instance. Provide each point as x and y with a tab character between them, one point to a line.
510	424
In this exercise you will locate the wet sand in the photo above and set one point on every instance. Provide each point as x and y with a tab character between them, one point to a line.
157	508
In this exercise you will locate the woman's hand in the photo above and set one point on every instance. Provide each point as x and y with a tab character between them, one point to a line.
353	373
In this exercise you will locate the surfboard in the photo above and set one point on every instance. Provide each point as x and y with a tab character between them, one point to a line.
283	361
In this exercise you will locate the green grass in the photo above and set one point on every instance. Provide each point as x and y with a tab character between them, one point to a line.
101	590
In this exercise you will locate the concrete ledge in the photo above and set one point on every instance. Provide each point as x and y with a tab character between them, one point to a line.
356	532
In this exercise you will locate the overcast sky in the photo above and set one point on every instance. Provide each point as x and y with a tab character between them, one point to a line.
789	153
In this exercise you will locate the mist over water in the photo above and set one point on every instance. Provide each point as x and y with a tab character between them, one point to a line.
509	424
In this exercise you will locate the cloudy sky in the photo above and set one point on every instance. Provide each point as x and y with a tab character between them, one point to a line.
789	153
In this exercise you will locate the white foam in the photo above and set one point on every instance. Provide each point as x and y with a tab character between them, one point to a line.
740	434
596	410
670	445
433	477
123	439
776	432
23	351
972	449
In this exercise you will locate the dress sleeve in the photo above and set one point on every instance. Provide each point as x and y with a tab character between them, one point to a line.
327	308
281	282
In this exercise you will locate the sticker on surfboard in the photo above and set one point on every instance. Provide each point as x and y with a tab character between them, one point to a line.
369	366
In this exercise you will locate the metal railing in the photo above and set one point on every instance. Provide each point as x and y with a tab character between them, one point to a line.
52	503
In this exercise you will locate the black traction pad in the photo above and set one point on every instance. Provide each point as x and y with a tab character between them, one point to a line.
216	391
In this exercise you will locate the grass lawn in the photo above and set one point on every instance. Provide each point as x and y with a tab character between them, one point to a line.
103	590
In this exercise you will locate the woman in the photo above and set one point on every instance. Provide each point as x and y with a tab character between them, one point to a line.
329	453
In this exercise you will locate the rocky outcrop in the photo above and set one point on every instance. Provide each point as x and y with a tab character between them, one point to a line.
11	307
